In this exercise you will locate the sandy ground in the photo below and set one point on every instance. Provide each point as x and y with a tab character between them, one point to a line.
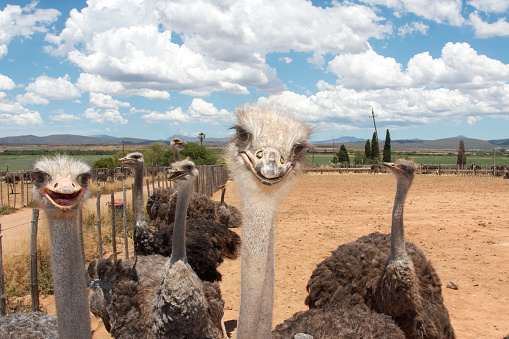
461	224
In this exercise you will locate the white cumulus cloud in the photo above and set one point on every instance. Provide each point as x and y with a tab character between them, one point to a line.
441	11
102	116
64	117
105	101
489	6
23	21
45	88
485	30
6	83
409	29
133	42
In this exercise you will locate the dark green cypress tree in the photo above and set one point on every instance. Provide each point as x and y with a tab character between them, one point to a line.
343	155
375	150
387	148
367	149
462	155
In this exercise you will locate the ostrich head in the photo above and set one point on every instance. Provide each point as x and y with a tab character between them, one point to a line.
177	143
268	146
183	172
132	160
61	182
402	169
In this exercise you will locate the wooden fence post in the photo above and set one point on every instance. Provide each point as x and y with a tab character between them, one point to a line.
113	235
148	189
3	296
99	237
22	190
34	282
15	193
8	198
2	193
124	221
28	191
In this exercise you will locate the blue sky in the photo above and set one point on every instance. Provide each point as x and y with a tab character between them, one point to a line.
152	69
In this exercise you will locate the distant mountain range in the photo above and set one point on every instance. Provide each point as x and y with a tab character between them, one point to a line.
417	144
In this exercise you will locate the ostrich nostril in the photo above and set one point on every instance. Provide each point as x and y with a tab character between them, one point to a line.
282	159
259	154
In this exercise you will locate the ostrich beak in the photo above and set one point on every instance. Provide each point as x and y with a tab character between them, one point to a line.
64	194
392	167
126	161
267	164
174	174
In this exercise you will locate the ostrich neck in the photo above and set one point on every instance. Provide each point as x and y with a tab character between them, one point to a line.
176	154
257	267
178	248
398	251
70	286
138	196
222	197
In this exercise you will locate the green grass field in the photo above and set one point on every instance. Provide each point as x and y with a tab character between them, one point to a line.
25	162
319	159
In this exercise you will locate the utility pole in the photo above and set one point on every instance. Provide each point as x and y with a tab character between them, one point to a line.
376	133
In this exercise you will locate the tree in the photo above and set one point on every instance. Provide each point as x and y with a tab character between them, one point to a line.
197	153
153	154
201	136
375	150
360	158
106	163
387	148
462	156
343	155
367	150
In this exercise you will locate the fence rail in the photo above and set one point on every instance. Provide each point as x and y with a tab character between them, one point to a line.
16	189
472	170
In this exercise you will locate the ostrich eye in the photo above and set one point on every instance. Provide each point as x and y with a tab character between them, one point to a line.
299	149
242	135
84	179
39	177
189	167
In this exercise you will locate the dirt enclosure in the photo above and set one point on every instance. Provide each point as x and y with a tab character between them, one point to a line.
461	224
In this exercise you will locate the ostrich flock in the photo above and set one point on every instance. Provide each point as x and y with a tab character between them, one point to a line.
379	286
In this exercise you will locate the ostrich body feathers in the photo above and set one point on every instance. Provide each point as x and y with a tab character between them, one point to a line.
353	276
339	324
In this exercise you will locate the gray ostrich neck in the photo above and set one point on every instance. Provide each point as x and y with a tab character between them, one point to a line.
257	267
176	154
138	198
178	249
70	286
398	251
222	197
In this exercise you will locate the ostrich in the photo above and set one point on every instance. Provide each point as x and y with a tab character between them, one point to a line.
208	242
177	144
159	297
9	179
61	188
385	274
264	156
229	215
